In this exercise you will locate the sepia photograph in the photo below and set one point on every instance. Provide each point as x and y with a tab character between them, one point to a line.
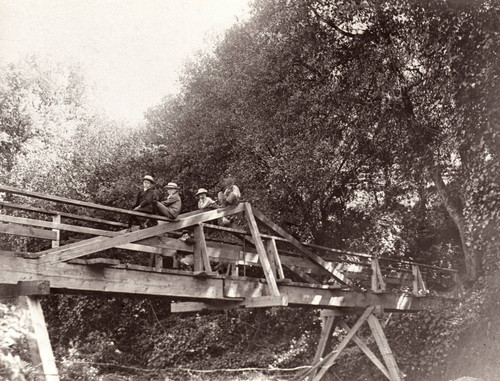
249	190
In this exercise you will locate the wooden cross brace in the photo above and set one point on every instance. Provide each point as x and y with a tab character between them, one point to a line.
323	363
93	245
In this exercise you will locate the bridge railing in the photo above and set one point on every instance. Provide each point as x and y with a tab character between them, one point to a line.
368	272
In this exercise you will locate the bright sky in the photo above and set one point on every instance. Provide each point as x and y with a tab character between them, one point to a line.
132	50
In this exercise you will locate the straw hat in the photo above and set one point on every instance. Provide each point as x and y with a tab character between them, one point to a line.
172	186
149	178
201	191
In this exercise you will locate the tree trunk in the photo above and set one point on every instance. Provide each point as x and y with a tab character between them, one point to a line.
472	260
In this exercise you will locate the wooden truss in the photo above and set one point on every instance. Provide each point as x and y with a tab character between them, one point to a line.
360	281
324	361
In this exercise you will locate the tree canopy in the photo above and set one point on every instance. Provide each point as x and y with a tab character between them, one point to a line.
363	125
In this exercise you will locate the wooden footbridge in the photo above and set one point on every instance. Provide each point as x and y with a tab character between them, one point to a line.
73	246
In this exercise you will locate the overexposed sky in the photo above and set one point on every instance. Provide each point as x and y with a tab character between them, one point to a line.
132	50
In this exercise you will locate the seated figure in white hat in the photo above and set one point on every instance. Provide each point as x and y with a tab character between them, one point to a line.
171	207
143	202
205	202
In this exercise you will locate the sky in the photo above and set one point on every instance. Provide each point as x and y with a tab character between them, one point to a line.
132	51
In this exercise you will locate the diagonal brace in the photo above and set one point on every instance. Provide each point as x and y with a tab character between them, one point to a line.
103	243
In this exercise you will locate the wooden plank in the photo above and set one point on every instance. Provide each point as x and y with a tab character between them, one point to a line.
266	301
348	311
39	343
29	208
180	307
103	243
109	280
258	302
27	231
384	348
264	261
323	366
304	295
313	257
37	287
367	351
96	262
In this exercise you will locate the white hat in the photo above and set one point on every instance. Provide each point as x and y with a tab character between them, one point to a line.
172	186
201	191
149	178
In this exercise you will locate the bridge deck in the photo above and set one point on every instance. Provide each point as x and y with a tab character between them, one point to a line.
263	265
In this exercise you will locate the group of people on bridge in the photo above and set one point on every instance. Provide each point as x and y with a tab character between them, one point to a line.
146	201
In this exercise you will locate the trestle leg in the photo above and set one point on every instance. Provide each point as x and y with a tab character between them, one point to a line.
323	362
39	342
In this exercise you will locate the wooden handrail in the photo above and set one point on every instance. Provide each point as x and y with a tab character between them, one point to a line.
29	208
84	204
345	252
4	188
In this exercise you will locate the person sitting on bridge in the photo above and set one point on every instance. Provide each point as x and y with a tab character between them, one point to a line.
171	207
144	202
230	196
205	202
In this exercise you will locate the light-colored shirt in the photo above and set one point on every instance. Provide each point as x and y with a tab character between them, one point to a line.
207	202
233	189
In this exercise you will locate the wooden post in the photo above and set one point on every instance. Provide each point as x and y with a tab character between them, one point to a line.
57	220
201	260
274	258
378	284
418	282
384	348
39	343
261	251
158	262
325	339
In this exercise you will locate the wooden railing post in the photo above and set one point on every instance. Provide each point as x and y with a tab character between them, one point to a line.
419	287
57	220
378	284
201	260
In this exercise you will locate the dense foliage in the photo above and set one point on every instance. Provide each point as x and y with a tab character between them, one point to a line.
364	125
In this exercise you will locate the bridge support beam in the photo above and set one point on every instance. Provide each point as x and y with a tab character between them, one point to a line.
39	342
323	362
